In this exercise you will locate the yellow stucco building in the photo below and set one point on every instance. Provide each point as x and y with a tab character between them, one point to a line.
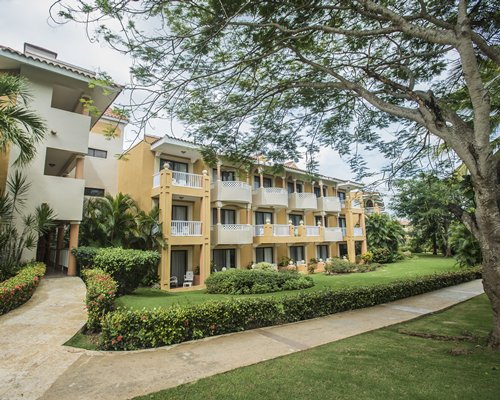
225	217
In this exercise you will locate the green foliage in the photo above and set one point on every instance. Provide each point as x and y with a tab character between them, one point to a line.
14	238
264	266
128	267
126	329
384	231
384	256
19	289
367	257
465	246
19	125
85	256
339	266
240	281
101	292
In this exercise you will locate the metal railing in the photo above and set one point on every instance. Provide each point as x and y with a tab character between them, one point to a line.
259	230
156	179
344	231
186	228
312	230
187	179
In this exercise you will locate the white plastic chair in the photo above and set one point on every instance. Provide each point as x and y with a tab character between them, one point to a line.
188	279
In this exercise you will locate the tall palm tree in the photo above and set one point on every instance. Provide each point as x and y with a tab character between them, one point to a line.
19	125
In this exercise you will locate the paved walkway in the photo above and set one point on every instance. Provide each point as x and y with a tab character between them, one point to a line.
82	374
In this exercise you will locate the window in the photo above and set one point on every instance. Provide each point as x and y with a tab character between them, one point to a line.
295	218
174	165
341	195
317	218
179	213
224	175
93	192
317	191
226	216
224	258
342	250
256	182
262	217
322	251
297	253
264	254
342	222
291	187
97	153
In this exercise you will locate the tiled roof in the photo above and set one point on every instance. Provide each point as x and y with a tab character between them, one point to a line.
53	62
109	113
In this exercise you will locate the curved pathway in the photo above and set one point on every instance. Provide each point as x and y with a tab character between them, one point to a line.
31	337
79	374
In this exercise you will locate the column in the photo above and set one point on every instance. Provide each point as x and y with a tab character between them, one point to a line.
79	167
218	171
284	182
295	186
249	214
59	244
73	243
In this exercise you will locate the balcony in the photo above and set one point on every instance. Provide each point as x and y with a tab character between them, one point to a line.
185	228
329	204
311	230
333	235
369	210
187	180
358	232
69	131
355	204
302	201
63	195
156	180
231	191
232	234
270	197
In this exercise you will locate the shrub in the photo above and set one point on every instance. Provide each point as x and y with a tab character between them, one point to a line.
407	254
383	255
19	289
264	266
339	266
135	329
367	257
240	281
85	256
127	267
101	292
313	264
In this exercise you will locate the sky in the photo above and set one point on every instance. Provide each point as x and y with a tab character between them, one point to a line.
28	21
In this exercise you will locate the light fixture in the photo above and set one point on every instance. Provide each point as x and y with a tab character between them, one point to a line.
183	151
52	165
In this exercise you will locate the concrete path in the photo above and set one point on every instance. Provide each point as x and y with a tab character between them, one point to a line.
31	337
122	375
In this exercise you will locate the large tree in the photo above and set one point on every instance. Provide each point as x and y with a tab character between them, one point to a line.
281	76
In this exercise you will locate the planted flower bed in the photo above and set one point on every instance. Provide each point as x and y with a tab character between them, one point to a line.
19	289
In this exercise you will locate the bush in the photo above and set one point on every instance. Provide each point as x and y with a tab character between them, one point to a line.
19	289
339	266
85	256
101	292
383	255
265	266
127	267
135	329
241	281
367	257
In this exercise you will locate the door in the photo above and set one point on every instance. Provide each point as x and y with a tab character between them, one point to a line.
179	213
178	265
261	217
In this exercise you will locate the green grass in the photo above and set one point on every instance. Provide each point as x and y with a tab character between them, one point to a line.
83	341
383	364
420	265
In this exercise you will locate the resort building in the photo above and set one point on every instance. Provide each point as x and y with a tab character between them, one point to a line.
56	174
222	216
373	203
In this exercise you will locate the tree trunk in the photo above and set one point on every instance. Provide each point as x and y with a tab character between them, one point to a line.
491	284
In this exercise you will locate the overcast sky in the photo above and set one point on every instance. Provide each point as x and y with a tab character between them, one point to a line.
28	21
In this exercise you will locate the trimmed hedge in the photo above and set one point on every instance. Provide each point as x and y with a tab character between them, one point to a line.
19	289
126	329
101	292
339	266
128	267
85	256
242	281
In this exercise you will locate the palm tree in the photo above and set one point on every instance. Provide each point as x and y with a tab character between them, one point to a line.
148	231
384	232
19	126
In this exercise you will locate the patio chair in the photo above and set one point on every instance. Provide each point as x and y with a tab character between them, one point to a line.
174	282
188	279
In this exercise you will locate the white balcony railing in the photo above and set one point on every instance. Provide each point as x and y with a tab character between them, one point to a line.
312	230
270	197
232	234
187	179
344	231
231	191
358	231
333	234
329	204
156	180
342	203
355	204
369	210
259	230
302	201
281	230
186	228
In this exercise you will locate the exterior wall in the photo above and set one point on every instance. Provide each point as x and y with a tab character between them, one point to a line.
102	173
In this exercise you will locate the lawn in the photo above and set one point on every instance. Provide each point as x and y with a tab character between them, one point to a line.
385	364
419	265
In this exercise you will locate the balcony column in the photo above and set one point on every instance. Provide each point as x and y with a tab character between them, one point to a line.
323	218
249	214
295	186
219	206
321	190
218	171
79	167
283	179
73	243
261	177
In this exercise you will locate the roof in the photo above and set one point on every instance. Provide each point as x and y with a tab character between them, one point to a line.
111	114
53	62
